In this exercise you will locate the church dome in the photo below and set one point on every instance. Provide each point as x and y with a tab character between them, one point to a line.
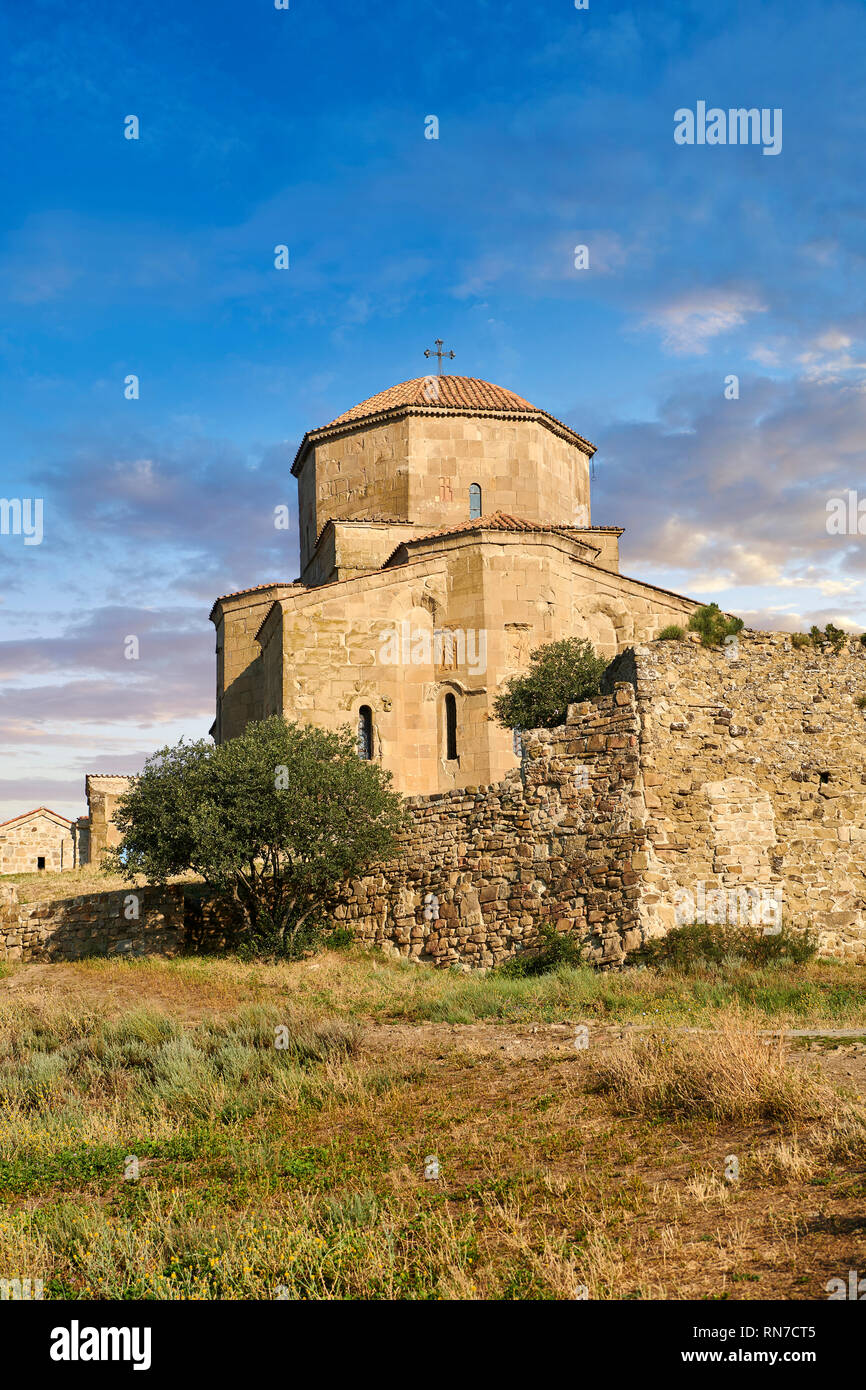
440	395
460	392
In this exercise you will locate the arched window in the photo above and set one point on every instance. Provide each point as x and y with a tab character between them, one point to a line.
450	727
365	733
474	501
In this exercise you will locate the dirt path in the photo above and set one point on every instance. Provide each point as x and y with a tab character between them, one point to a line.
839	1052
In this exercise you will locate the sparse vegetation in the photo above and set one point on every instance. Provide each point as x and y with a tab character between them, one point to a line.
731	1076
697	944
830	638
672	633
833	637
713	625
860	701
555	949
298	1172
560	674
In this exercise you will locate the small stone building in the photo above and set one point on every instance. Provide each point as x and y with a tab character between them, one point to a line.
38	839
444	533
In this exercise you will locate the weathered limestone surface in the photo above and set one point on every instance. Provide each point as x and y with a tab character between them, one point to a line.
102	791
753	767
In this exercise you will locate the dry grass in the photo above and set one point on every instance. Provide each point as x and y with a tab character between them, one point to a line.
372	987
298	1172
72	883
733	1075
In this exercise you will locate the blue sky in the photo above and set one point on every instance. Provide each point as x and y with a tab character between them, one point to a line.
305	127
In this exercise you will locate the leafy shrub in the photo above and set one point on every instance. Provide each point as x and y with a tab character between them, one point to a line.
831	636
553	950
696	944
560	674
339	939
863	639
672	633
713	625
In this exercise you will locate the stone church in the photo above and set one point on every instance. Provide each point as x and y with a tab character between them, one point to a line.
445	532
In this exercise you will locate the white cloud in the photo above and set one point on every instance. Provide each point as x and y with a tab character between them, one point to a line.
689	322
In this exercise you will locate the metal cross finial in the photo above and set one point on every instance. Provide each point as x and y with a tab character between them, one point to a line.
437	352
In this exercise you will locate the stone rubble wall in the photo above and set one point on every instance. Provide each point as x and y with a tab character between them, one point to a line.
103	924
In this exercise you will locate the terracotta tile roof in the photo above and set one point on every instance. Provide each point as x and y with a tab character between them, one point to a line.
464	392
495	521
37	810
364	520
454	394
272	584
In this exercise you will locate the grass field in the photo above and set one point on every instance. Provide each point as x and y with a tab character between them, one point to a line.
298	1171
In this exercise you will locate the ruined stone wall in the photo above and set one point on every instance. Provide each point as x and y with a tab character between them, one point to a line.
753	764
481	868
130	921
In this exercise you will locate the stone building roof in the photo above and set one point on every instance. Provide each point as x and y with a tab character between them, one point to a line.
465	392
496	521
37	810
237	593
455	395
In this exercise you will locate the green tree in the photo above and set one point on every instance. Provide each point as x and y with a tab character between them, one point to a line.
560	674
274	819
713	625
832	636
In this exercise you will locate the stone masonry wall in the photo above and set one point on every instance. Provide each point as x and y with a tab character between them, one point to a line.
40	835
753	764
481	868
742	770
167	921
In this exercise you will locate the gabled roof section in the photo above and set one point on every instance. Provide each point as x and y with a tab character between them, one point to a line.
495	521
440	395
37	811
254	588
